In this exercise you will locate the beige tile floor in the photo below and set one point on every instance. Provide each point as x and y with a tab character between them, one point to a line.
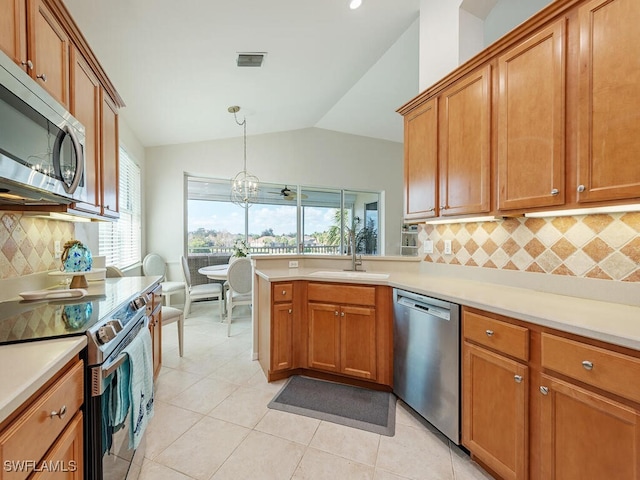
212	422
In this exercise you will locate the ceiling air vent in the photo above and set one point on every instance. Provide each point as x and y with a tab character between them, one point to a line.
251	59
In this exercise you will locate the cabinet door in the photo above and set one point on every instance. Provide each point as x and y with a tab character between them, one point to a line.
49	51
421	161
65	459
324	337
495	409
531	147
586	436
109	157
13	30
358	341
85	106
609	101
282	337
465	145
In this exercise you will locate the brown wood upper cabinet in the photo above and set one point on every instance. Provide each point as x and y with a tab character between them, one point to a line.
109	159
85	106
465	145
421	162
609	101
34	38
531	121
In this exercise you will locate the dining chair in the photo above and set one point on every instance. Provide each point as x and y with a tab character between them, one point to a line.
154	264
199	292
172	315
239	281
113	272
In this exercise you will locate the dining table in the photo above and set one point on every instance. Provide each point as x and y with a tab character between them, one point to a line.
215	272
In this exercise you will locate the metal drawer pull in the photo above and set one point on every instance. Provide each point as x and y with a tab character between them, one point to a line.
489	333
544	390
518	378
59	413
587	365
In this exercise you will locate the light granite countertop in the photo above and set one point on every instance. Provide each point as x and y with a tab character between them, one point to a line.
615	323
28	366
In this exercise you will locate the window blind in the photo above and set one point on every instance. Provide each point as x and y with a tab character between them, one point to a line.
120	241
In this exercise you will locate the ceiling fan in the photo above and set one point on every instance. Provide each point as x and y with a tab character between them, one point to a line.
288	194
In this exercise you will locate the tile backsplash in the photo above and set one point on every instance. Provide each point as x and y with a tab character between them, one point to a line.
27	243
604	246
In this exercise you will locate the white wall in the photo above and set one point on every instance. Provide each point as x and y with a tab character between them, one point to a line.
508	14
311	157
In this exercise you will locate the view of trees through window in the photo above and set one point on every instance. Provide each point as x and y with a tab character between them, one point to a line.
285	219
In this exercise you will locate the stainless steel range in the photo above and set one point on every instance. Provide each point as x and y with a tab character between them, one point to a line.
110	322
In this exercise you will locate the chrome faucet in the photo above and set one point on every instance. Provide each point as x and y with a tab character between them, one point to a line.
356	260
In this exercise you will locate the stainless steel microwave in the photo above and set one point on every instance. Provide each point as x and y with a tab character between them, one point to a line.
41	144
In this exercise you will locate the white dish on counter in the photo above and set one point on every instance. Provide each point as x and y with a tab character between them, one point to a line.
54	294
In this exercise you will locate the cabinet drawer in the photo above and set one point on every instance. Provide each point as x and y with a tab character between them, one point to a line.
610	371
282	292
501	336
29	437
349	294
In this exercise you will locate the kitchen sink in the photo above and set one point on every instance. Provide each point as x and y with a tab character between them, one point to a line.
349	274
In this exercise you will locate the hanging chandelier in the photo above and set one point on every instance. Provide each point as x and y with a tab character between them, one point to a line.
244	186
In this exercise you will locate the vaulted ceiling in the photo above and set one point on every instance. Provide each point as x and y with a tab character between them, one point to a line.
174	64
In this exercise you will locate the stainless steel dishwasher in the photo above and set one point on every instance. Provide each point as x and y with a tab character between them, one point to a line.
426	359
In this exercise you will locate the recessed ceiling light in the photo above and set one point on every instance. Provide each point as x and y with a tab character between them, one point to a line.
353	4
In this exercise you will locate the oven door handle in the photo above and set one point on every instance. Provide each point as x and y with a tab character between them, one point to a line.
99	373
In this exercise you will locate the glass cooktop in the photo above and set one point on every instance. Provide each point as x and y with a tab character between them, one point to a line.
24	321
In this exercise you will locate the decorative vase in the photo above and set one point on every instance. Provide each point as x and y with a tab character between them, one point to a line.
76	257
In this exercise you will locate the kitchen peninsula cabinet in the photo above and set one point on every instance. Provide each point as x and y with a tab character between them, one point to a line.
342	329
531	118
609	101
465	146
282	330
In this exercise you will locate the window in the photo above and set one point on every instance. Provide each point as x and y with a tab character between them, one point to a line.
120	241
284	219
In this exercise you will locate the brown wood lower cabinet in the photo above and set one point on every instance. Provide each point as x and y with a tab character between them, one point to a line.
495	411
337	329
563	408
586	435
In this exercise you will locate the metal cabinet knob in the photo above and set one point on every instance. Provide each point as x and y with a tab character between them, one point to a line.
335	313
587	365
60	413
284	292
42	77
489	333
342	314
432	209
518	378
544	390
290	310
581	188
28	64
443	207
555	191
